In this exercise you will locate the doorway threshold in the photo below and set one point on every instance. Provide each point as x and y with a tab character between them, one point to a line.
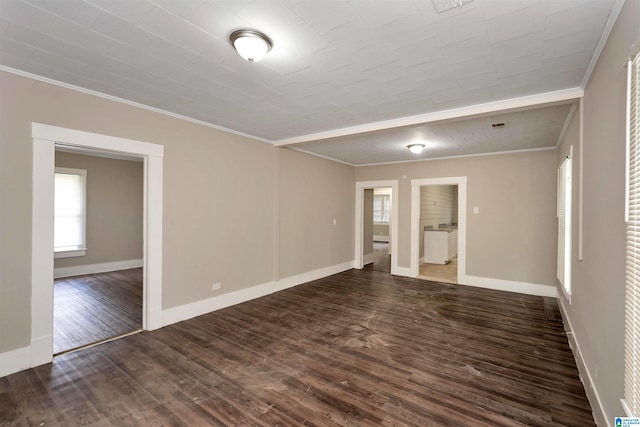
93	344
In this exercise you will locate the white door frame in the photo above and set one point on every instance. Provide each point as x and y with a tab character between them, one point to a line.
359	223
461	182
45	138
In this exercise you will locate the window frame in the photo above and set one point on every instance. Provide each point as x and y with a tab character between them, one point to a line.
565	224
385	207
76	250
631	396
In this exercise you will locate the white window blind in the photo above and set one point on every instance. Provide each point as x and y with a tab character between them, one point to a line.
69	210
631	400
564	223
381	208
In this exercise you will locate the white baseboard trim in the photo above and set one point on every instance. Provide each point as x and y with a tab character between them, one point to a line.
509	286
298	279
198	308
14	361
402	271
41	350
368	258
600	417
96	268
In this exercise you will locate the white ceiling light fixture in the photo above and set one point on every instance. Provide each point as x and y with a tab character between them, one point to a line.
250	44
416	148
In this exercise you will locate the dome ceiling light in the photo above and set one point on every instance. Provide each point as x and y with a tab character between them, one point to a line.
251	45
416	148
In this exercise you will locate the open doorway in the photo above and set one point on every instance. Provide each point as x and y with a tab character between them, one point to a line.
439	226
443	226
377	225
45	139
376	228
98	247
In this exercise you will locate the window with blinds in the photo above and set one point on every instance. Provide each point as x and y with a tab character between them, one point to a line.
69	223
564	223
631	399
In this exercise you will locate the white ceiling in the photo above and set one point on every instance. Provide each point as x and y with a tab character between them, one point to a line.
337	67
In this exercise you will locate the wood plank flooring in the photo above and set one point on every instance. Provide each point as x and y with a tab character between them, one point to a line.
95	307
360	348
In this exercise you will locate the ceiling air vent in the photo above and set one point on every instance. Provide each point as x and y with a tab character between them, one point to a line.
498	125
444	5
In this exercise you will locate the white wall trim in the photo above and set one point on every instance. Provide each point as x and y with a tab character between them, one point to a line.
608	27
461	182
299	279
45	138
96	268
455	113
404	272
125	101
509	286
359	221
600	417
198	308
369	258
14	361
461	156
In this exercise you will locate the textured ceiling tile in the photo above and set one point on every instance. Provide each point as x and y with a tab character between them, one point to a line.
179	8
121	30
37	39
325	16
563	79
566	45
457	28
574	61
524	64
125	53
168	51
128	10
530	44
475	67
497	8
517	24
81	13
167	26
26	15
78	35
375	16
590	16
466	50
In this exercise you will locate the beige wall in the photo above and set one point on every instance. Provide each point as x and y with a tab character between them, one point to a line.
221	197
596	312
513	237
312	193
114	208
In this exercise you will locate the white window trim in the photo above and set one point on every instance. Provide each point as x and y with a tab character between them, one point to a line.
631	399
79	250
565	240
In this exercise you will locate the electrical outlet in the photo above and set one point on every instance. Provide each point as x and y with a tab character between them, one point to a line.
216	286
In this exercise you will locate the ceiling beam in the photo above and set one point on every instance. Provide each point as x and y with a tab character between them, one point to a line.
539	100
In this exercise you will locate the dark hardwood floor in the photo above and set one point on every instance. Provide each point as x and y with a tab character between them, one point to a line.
94	307
382	258
360	348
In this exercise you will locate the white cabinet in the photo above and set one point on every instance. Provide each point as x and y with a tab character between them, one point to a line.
440	246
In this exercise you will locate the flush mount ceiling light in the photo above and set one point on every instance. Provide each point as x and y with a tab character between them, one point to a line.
416	148
251	45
